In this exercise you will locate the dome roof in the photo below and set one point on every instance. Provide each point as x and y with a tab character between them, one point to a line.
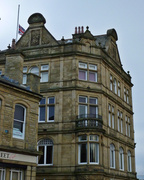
36	18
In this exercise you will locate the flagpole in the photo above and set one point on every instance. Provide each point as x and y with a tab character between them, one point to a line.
17	23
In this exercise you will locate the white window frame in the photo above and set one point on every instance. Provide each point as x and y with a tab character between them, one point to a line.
97	147
20	174
121	159
3	173
48	106
24	122
111	116
112	156
115	86
42	105
87	142
24	74
44	144
93	70
129	164
44	71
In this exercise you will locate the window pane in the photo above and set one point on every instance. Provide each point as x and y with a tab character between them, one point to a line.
83	153
51	112
93	67
49	155
44	77
82	75
42	113
93	100
41	157
92	76
93	111
82	111
42	101
82	99
94	152
83	138
34	70
18	126
19	113
24	69
82	65
15	176
94	138
24	78
44	67
51	100
2	174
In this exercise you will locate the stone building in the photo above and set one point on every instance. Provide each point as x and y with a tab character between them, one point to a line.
85	124
18	121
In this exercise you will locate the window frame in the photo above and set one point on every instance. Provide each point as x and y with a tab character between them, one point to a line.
44	71
46	105
112	156
23	122
3	173
88	105
111	116
20	174
87	69
88	142
45	151
129	162
121	159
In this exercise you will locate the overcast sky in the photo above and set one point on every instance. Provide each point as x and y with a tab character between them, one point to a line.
126	16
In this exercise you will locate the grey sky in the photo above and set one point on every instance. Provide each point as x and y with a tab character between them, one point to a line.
126	16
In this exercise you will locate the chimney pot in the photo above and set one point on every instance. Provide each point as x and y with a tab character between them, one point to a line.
75	30
79	29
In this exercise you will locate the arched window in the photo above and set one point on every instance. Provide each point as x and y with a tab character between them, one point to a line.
112	156
19	121
46	146
34	70
129	161
121	158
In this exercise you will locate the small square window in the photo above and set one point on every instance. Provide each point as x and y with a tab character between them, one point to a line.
44	67
82	99
82	65
92	67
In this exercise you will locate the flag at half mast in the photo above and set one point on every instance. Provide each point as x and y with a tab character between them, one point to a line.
21	30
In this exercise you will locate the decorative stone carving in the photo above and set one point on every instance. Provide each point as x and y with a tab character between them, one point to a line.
35	38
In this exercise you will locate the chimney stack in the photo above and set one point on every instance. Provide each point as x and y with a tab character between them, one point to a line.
14	66
79	30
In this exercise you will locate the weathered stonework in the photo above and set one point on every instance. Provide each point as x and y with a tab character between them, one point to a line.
40	48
